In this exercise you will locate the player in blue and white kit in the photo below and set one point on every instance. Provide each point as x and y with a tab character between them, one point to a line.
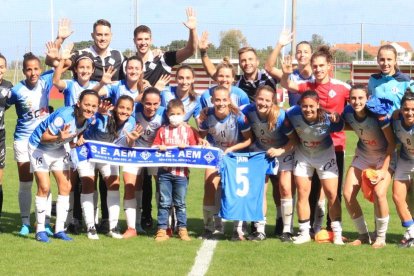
31	98
224	127
225	77
150	116
374	150
48	154
390	83
110	128
315	152
277	138
184	91
403	127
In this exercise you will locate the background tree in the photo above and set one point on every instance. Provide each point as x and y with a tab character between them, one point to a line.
317	40
230	42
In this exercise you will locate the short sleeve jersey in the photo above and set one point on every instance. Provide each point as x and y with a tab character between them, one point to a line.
294	97
155	67
265	138
113	58
5	90
333	97
314	138
74	89
120	88
32	104
405	135
98	129
224	133
250	87
369	131
238	97
389	87
54	123
150	125
192	108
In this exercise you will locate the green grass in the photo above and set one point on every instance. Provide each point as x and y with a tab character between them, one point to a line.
145	257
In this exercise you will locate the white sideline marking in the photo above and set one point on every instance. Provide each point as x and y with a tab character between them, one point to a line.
203	258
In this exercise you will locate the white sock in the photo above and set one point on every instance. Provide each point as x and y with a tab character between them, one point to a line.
278	212
62	207
260	226
208	216
304	227
69	218
138	197
293	212
40	203
287	214
410	231
337	229
113	203
361	225
238	227
319	216
87	207
25	200
382	226
48	208
130	207
95	206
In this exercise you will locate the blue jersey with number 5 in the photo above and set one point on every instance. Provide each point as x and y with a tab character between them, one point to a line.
242	181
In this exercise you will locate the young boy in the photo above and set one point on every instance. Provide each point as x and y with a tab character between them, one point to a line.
173	181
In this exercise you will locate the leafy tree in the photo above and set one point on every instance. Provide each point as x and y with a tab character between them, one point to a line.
231	41
82	45
317	40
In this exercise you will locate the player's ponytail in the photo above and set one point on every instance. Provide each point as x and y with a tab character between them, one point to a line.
322	51
28	57
226	64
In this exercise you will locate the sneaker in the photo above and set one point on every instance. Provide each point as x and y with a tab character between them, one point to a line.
74	228
147	222
115	233
279	227
362	239
379	243
139	229
170	232
286	237
42	236
207	235
338	240
161	235
92	233
129	233
302	238
183	234
103	227
257	236
49	230
237	237
25	230
62	236
406	243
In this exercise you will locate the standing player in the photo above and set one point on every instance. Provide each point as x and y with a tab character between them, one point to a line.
374	150
31	97
48	154
5	87
268	125
390	83
226	128
333	95
403	183
315	152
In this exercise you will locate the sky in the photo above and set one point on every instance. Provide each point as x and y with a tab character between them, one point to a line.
338	21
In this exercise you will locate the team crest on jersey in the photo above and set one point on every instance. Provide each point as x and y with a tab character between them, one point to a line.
111	61
395	90
209	157
84	151
4	92
58	122
331	93
154	125
145	155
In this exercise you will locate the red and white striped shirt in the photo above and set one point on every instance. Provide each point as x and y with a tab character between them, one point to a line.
175	136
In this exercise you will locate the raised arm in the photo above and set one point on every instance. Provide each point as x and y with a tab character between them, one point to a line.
52	48
285	38
287	69
191	46
64	31
209	67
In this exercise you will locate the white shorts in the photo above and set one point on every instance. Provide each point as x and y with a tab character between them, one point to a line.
45	161
404	170
87	168
286	161
21	150
138	170
362	161
324	163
